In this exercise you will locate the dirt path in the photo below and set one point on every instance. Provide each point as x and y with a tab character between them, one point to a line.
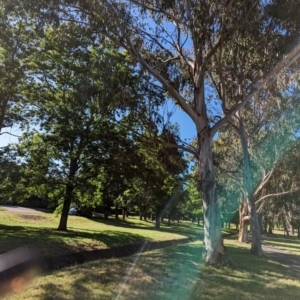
290	261
20	209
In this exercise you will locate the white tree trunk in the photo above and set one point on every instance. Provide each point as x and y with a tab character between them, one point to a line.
256	237
214	250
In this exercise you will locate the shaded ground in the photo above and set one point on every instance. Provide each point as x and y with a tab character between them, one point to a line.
290	261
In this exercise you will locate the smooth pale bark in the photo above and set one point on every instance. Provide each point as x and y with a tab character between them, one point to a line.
68	196
244	221
260	221
214	251
256	237
265	225
285	228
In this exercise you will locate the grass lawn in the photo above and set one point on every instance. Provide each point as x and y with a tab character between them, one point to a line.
171	273
38	230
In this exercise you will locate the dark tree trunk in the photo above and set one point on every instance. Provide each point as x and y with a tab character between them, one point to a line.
145	217
152	217
68	196
169	221
117	212
141	216
256	238
270	229
244	221
123	214
157	221
127	213
198	220
66	207
298	232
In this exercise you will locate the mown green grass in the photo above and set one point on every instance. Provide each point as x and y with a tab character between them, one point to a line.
169	274
39	231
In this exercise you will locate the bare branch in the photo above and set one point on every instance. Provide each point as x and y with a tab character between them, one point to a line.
170	59
274	195
5	132
171	145
264	182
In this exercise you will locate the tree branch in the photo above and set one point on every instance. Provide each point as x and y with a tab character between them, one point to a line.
287	61
265	180
274	195
5	132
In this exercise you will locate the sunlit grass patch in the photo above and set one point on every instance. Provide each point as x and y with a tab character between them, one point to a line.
39	231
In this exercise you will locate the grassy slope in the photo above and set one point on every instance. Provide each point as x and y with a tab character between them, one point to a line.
170	273
38	230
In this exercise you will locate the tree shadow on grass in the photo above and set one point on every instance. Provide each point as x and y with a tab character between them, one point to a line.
52	242
178	273
183	229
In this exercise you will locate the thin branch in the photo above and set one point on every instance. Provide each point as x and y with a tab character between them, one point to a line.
156	10
171	145
287	61
170	59
274	195
180	100
5	132
265	180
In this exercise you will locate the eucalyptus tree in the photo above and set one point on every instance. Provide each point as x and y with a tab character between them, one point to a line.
271	132
177	43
